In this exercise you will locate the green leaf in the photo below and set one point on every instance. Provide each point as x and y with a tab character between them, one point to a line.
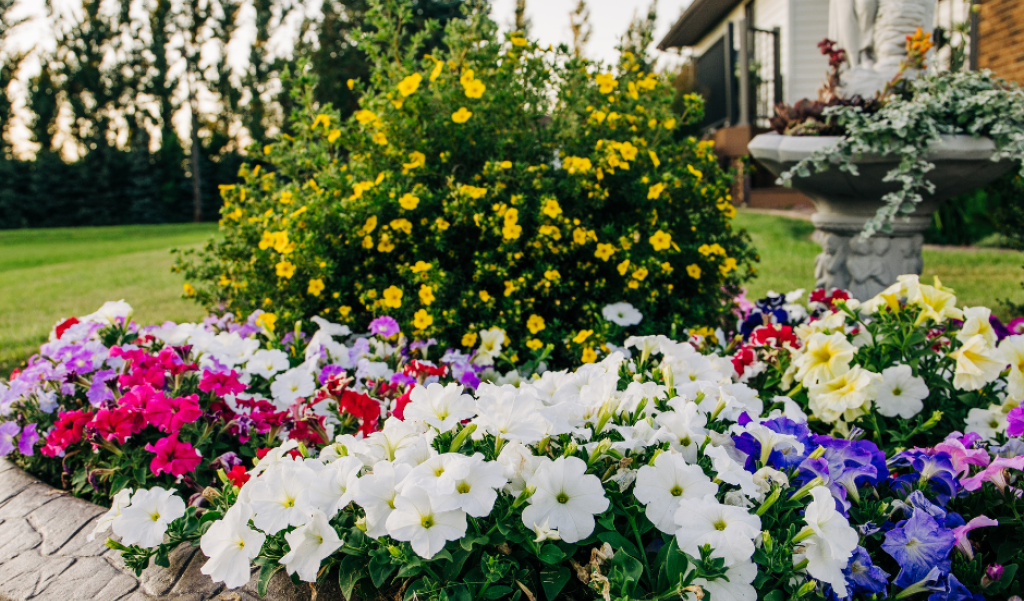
675	564
551	555
454	567
350	572
480	539
617	541
380	569
267	571
553	580
631	570
460	593
497	592
776	595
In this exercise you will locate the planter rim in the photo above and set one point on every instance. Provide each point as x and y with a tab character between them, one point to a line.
775	147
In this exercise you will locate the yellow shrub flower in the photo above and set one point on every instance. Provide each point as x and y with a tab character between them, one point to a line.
588	356
268	149
623	267
604	251
640	274
286	198
421	266
190	291
267	320
324	120
285	269
392	297
511	231
267	241
469	339
579	236
402	225
666	267
598	116
727	266
654	158
408	201
462	115
344	311
551	231
551	208
380	138
484	296
519	40
473	192
426	294
369	226
416	160
364	116
552	274
438	65
607	83
505	164
474	88
441	224
385	245
535	324
367	242
670	123
510	287
410	84
655	191
333	136
582	336
422	320
533	344
316	286
695	172
661	240
574	164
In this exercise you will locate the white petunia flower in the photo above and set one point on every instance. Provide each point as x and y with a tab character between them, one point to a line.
848	396
566	498
987	423
281	497
144	522
1011	352
476	485
267	363
290	386
622	314
736	586
509	413
415	520
111	312
663	486
729	530
332	489
976	323
730	471
231	545
121	500
683	428
519	464
490	346
829	540
394	436
376	493
310	544
901	393
976	364
442	407
770	440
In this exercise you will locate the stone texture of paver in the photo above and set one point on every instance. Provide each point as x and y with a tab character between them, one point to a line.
45	554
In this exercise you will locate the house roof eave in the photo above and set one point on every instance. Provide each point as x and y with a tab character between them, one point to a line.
699	19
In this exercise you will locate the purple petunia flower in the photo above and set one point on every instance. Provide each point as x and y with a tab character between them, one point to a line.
402	379
935	469
469	379
919	545
27	440
1016	422
384	326
954	591
99	390
422	345
863	576
8	430
328	371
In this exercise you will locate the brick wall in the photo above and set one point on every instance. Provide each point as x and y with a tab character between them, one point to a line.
1001	29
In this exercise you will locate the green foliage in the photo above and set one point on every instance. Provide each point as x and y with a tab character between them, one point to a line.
486	185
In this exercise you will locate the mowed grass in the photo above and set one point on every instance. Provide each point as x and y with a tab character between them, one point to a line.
980	277
50	274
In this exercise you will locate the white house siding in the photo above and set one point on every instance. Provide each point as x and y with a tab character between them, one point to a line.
734	17
808	25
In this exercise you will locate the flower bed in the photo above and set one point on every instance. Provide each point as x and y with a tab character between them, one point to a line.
819	453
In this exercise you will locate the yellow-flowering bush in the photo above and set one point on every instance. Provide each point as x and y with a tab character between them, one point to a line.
499	184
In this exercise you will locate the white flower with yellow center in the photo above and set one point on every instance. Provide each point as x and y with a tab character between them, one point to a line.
566	498
824	358
935	304
311	543
231	545
376	493
976	364
901	392
281	498
1011	352
976	323
442	407
728	529
415	520
848	395
664	485
144	522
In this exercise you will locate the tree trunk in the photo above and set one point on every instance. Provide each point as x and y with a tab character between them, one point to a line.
197	193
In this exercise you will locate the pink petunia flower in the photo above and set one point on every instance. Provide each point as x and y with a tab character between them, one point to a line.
169	415
116	423
173	456
960	455
961	532
140	397
994	473
221	383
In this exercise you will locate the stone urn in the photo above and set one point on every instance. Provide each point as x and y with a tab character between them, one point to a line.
845	202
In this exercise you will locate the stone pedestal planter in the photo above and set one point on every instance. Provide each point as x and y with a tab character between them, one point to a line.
45	554
845	203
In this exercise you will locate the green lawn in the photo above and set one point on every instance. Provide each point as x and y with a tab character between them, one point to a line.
980	277
50	274
47	275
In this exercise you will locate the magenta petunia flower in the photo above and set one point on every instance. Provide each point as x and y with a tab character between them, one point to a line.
961	532
173	456
384	326
1016	422
221	383
960	455
114	424
169	415
994	473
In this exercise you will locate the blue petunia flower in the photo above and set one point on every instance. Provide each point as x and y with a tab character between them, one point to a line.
919	545
864	577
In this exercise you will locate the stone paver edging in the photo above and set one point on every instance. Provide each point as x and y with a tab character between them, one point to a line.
44	555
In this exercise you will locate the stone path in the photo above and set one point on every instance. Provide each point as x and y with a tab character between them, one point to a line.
44	555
